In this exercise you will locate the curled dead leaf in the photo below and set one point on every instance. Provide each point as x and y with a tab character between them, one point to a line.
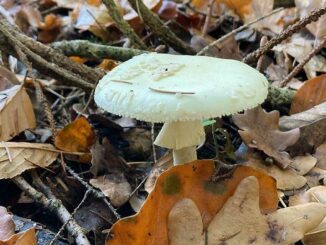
259	129
312	93
7	231
286	179
16	112
77	136
7	225
115	187
314	194
320	154
17	157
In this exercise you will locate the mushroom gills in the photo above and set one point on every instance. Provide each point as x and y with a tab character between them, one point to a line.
182	137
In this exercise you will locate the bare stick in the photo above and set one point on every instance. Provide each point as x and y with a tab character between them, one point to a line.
54	205
40	96
95	192
289	31
53	67
299	67
71	217
208	17
262	58
235	31
157	26
123	25
87	49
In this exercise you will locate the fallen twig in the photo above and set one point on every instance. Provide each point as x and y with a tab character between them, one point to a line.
123	25
54	205
289	31
87	49
208	17
46	59
299	67
95	192
235	31
71	217
40	96
260	62
157	26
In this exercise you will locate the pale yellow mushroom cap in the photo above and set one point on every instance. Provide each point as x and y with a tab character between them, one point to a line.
166	88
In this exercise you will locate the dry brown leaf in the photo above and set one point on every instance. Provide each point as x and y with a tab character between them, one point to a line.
27	237
7	231
287	179
185	225
320	154
299	47
193	181
17	157
240	221
115	187
78	136
7	225
304	118
259	129
96	18
106	159
315	194
162	164
312	93
16	112
259	8
303	164
312	124
316	176
318	28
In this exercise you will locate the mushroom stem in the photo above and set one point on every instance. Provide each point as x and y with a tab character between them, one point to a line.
182	137
184	155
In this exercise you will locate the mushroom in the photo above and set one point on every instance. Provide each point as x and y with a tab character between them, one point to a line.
180	91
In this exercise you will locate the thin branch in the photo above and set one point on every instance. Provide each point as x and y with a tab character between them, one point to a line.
123	25
157	26
260	62
289	31
71	217
235	31
208	17
299	67
54	205
46	60
87	49
95	192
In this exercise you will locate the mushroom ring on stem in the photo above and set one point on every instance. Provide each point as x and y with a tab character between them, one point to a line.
180	91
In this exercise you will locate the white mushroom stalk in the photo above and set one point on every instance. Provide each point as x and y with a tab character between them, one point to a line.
180	91
182	138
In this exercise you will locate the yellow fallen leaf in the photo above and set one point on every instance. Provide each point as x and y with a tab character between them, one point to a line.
17	157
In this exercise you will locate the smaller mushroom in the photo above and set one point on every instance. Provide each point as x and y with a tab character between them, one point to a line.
180	91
